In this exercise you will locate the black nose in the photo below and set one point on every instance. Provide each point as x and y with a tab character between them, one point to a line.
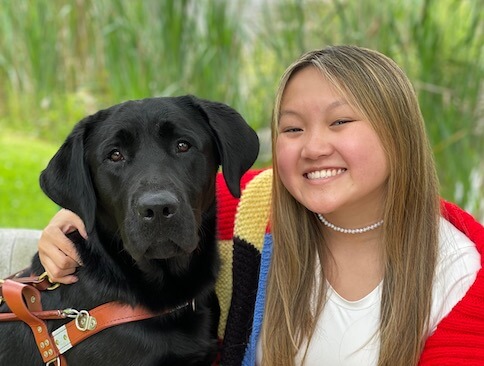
159	205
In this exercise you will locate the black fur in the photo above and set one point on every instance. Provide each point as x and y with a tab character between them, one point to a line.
151	223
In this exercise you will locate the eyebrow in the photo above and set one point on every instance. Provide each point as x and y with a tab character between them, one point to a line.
336	104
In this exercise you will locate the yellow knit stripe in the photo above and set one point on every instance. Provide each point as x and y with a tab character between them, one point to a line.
253	210
223	286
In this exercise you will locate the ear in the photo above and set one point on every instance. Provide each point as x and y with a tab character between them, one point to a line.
237	142
66	179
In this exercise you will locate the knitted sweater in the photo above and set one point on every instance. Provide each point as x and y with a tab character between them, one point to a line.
458	339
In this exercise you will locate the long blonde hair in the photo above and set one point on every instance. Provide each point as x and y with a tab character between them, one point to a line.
373	84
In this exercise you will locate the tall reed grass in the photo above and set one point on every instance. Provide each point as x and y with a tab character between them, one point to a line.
63	59
96	53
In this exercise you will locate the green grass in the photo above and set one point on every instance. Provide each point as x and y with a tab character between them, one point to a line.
22	202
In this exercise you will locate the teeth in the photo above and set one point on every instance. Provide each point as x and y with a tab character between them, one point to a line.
325	173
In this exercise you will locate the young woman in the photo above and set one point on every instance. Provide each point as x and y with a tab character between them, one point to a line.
360	265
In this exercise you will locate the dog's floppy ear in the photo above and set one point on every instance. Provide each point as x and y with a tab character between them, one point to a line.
237	142
66	179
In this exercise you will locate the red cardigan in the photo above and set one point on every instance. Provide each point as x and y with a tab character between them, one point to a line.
459	337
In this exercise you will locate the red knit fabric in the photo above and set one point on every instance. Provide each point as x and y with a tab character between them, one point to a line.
459	337
227	204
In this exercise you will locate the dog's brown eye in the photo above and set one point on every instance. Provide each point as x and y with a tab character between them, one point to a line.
183	146
115	156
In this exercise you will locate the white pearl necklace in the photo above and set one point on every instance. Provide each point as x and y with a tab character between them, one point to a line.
349	231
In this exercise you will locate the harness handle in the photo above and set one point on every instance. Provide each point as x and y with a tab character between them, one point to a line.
24	299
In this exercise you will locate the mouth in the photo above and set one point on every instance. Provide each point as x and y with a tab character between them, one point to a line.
167	250
324	173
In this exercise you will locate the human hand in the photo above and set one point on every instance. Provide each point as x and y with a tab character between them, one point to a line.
57	253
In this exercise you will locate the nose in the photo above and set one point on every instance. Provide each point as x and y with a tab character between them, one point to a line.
157	205
316	145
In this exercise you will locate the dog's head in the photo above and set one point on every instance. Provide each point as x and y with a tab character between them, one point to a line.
144	171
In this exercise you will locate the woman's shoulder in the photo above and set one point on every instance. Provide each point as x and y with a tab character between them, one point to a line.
458	336
464	222
457	266
454	243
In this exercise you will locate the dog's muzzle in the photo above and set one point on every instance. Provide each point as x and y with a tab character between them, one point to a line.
162	225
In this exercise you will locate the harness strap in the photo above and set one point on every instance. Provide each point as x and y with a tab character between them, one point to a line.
22	300
89	323
44	315
41	282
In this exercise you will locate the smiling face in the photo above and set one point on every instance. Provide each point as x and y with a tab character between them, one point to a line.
329	157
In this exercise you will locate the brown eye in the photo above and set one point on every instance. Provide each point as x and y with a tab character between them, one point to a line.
183	146
116	156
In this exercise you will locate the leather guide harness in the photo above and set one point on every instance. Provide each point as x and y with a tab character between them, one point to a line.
23	298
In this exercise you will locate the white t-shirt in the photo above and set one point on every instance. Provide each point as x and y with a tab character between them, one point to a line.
347	331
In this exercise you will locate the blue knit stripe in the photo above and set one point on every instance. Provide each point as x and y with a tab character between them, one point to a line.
250	353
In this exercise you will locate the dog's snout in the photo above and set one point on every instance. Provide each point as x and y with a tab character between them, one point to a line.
157	205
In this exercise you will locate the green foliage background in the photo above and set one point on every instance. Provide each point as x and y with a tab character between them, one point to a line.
63	59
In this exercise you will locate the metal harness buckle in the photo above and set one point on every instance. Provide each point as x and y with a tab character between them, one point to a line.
51	362
54	284
84	321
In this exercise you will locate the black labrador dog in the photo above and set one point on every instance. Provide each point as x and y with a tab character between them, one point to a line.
142	175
